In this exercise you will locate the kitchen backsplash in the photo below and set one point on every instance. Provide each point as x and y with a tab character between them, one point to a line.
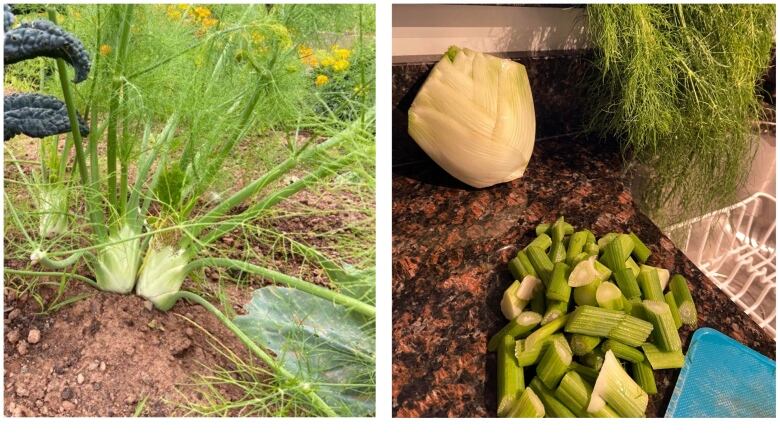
557	84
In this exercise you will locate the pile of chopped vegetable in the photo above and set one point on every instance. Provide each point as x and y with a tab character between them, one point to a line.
588	323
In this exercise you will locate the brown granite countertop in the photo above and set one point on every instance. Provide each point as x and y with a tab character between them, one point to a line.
451	244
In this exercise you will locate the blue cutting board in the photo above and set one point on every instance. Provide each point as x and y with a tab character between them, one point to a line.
723	378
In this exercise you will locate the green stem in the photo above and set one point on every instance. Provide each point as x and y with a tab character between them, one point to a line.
275	276
52	273
304	388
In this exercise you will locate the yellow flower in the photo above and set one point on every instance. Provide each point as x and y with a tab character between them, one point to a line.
201	12
172	13
304	51
208	22
182	6
105	49
328	61
342	53
321	80
340	65
257	37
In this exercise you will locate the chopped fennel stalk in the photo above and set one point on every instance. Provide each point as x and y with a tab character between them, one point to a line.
622	351
616	388
626	281
558	288
593	359
609	296
554	362
555	309
584	273
520	266
588	373
643	375
511	305
542	241
518	326
640	252
576	245
579	258
511	380
527	406
547	330
669	298
574	392
592	249
586	294
581	344
651	285
659	359
541	263
552	407
664	329
632	265
616	252
474	117
682	297
528	355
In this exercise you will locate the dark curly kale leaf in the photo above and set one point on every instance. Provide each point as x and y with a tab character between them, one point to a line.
8	17
36	116
44	38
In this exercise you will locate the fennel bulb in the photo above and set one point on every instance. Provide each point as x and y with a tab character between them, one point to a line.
53	207
117	263
474	116
162	274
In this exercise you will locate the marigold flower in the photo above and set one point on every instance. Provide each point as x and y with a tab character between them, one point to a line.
321	80
105	49
340	65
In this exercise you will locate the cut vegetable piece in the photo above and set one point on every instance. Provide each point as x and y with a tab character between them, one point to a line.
543	333
622	351
584	273
581	344
604	272
527	406
574	392
663	274
593	359
541	241
616	252
682	297
552	407
616	388
669	298
589	374
576	245
664	329
554	362
586	295
590	238
517	296
511	382
516	268
608	296
643	375
650	285
555	309
526	268
480	127
541	263
592	249
630	264
591	320
543	228
640	252
631	331
662	360
559	289
626	280
606	239
518	326
528	355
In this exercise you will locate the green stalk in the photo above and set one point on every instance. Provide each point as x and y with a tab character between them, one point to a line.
541	263
665	332
546	331
558	288
552	407
581	344
643	375
324	170
609	296
669	298
528	406
528	355
616	388
589	374
663	360
280	278
651	285
640	252
682	297
574	392
633	266
586	294
593	359
520	266
626	280
555	309
616	252
555	361
601	322
622	351
86	280
304	388
516	327
511	381
541	241
576	245
592	249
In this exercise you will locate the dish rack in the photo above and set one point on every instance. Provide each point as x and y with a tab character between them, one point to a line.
735	247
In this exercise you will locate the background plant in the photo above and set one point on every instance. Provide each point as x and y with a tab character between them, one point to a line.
678	88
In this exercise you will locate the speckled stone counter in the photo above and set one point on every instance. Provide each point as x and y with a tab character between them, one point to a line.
450	249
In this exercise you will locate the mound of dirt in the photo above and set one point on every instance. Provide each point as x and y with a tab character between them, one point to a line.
105	354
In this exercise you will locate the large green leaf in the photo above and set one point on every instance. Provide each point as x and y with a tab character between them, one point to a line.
318	341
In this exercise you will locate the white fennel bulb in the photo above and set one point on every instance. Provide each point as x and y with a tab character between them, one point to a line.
53	207
162	274
117	263
474	116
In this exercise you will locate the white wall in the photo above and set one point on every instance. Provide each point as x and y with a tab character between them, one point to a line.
428	30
